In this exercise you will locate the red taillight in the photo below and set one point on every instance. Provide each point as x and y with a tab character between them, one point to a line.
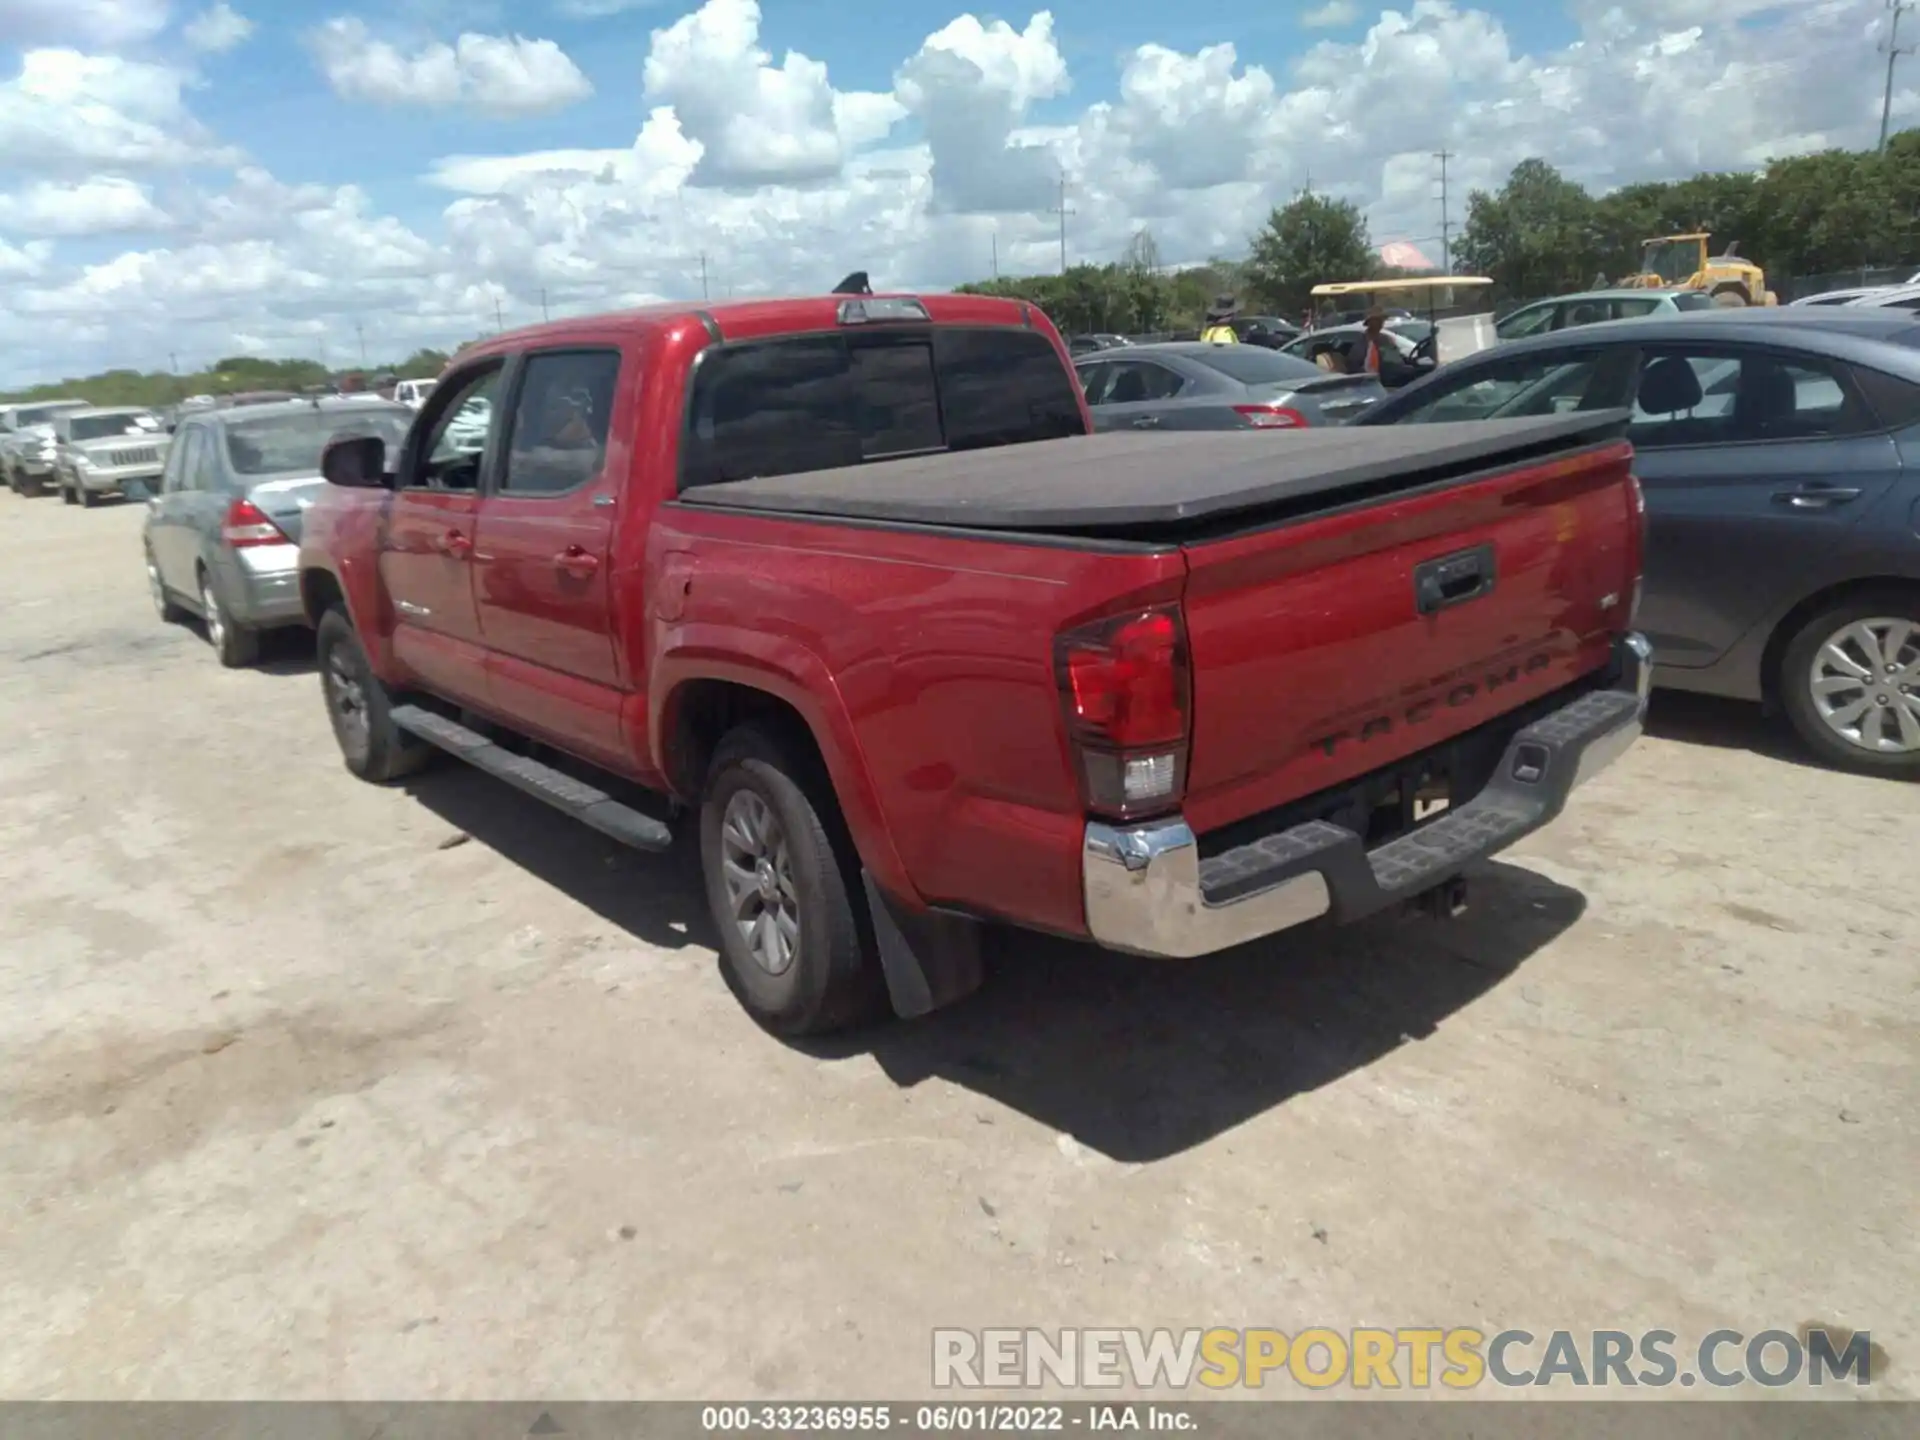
1270	417
1125	687
247	524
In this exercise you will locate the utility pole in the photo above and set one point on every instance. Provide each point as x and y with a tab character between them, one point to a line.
499	320
1894	49
996	254
1063	212
360	330
1446	225
703	275
544	313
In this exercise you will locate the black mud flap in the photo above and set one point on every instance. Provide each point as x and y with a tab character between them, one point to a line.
931	958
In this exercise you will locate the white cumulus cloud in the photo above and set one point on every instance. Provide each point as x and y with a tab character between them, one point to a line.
66	110
102	23
750	172
103	205
1332	14
497	74
217	30
757	123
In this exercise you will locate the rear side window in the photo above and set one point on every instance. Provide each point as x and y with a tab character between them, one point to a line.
1251	365
816	402
1895	402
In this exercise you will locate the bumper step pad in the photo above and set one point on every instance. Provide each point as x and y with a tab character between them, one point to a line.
1539	770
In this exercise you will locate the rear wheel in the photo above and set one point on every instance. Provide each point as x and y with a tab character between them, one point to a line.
233	643
359	708
169	613
1849	681
1731	296
783	881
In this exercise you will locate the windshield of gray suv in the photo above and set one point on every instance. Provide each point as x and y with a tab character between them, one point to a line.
43	414
102	427
291	444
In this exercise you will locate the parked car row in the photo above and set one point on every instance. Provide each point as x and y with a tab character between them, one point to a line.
82	451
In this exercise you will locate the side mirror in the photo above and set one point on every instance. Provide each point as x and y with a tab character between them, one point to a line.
358	461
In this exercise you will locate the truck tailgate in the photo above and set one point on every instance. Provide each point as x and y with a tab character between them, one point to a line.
1328	646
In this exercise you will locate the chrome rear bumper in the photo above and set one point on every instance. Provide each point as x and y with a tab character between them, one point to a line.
1148	890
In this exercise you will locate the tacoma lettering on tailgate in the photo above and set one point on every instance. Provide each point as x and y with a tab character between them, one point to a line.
1464	693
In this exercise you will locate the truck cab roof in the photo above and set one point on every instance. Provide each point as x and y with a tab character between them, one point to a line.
755	319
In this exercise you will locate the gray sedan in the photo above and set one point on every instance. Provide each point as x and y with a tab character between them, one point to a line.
1779	452
1200	386
223	536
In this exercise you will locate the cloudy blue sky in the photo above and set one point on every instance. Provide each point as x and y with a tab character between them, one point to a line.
194	179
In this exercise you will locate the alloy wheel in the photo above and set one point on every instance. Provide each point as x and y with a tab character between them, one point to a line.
210	612
157	588
1865	685
347	701
756	866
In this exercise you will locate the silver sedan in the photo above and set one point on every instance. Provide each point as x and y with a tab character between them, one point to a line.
222	538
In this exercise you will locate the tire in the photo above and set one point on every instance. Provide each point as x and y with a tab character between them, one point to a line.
66	494
1815	690
163	603
1731	297
87	498
818	971
359	707
234	645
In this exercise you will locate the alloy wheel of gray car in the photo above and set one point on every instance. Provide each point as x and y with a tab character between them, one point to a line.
232	643
157	590
757	869
1865	684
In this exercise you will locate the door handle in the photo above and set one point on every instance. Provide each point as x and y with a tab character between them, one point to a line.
1453	579
455	544
576	562
1146	422
1816	497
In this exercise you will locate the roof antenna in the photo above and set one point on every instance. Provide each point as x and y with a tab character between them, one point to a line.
854	284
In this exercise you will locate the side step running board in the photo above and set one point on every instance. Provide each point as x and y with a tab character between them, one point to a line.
543	782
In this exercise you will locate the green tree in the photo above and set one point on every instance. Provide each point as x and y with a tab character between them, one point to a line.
1314	240
1538	235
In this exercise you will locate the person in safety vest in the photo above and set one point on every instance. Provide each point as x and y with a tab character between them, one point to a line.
1218	327
1375	322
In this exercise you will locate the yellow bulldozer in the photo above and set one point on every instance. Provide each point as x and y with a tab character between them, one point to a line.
1681	262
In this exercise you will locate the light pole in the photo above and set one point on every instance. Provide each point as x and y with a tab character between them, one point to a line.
1894	49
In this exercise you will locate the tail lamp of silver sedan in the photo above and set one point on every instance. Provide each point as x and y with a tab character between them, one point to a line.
1200	386
222	538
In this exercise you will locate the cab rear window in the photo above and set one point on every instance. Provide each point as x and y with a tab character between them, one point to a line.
816	402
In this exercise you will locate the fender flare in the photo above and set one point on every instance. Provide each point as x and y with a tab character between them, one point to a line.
799	678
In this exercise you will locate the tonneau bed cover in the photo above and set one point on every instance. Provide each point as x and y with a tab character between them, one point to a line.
1118	482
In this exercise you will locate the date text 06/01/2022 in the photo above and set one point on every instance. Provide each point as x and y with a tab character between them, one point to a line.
942	1419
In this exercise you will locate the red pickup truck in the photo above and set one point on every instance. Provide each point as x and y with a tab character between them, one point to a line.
848	583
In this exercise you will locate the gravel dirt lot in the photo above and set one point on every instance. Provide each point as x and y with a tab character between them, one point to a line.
305	1093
